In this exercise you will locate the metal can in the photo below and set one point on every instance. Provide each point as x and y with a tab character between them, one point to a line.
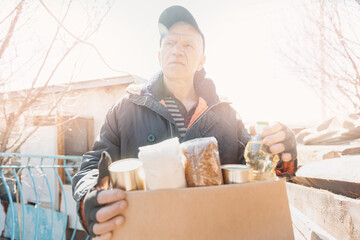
237	173
127	174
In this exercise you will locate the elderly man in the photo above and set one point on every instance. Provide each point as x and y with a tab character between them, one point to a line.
179	102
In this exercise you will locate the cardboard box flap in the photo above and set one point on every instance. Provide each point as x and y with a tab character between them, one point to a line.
257	210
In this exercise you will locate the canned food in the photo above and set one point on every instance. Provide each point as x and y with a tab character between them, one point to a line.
237	173
127	174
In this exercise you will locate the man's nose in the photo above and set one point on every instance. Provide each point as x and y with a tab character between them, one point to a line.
178	49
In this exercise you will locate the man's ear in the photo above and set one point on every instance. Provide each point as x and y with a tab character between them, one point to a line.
202	62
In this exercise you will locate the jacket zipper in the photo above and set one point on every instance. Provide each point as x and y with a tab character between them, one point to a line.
171	131
203	115
198	119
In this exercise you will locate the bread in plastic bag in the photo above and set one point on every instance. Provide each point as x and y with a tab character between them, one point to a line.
202	164
163	165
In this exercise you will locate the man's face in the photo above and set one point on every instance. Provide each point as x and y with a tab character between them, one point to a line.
181	53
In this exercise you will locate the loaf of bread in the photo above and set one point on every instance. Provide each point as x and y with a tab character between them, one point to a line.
202	164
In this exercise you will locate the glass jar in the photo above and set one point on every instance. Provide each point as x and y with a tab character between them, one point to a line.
258	155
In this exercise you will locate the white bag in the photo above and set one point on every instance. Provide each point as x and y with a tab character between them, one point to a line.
163	165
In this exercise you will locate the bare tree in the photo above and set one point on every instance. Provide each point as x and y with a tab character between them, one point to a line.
29	60
325	51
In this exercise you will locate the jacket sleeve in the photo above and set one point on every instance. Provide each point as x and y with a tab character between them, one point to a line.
108	140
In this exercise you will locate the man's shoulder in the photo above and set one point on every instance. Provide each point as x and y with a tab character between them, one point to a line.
134	88
132	91
225	109
225	99
132	97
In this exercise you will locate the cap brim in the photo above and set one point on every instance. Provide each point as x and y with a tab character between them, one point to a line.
175	14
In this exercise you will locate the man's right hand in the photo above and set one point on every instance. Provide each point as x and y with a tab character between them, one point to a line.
103	211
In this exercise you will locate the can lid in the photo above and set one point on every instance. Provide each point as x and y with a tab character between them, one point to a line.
236	167
125	165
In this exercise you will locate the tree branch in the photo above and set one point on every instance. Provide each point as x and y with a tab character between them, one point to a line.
11	28
9	14
48	114
83	41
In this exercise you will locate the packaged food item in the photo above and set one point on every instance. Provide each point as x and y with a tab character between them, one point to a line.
163	165
202	164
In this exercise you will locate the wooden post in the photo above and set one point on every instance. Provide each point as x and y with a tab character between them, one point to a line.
90	133
60	150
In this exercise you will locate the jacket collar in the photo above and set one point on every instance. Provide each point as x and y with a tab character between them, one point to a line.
204	87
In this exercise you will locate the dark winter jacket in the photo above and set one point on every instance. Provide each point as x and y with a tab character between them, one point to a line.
142	119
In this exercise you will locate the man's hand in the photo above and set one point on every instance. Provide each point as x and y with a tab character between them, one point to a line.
103	212
104	208
280	139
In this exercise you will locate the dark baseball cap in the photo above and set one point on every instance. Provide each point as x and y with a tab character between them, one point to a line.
175	14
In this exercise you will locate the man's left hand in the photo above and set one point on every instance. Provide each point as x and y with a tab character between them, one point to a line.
281	140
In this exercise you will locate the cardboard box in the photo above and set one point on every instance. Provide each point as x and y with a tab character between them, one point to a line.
257	210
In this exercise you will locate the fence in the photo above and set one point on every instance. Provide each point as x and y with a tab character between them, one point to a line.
21	217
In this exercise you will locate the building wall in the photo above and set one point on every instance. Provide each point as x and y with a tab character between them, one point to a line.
92	103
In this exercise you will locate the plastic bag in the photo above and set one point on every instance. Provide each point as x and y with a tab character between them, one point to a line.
202	164
163	165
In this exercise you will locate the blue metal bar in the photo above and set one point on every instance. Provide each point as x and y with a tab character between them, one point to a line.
65	202
37	203
76	219
29	165
22	202
51	199
11	205
40	156
44	166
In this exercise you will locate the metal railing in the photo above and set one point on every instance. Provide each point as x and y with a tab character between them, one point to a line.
31	219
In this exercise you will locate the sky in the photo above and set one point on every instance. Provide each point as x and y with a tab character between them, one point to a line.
242	50
243	41
243	38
